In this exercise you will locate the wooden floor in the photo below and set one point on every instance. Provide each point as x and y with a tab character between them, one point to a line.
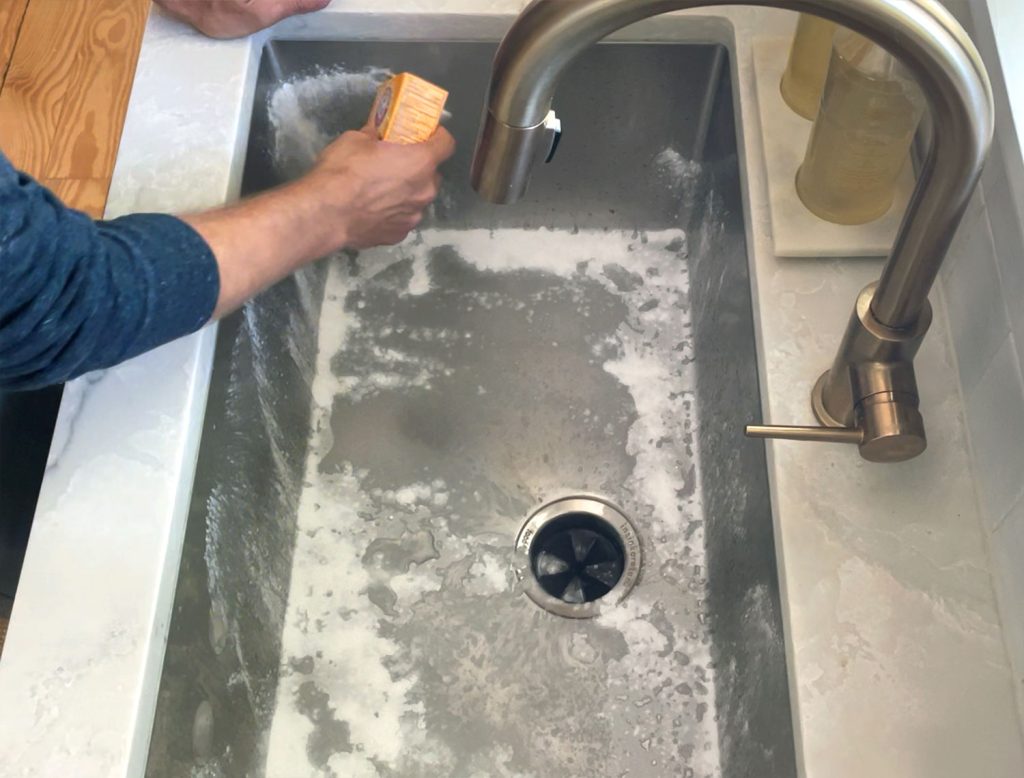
66	70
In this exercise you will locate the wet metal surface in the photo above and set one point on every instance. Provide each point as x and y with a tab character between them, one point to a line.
380	425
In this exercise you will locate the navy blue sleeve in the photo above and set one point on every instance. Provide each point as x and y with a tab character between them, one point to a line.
78	294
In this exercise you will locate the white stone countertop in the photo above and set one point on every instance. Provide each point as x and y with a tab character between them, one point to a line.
896	659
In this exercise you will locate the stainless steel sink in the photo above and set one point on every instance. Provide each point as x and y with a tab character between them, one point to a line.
351	600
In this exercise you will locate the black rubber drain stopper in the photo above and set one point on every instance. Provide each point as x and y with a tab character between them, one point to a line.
577	558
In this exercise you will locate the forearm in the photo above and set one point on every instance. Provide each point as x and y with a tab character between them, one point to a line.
80	295
362	192
261	240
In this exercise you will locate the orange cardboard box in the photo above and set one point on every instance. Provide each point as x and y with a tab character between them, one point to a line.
407	109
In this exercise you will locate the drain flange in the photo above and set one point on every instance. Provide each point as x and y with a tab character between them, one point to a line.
577	554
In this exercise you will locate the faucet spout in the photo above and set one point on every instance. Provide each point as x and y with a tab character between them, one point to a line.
871	383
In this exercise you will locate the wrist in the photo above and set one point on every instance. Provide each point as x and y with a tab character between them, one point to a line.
325	212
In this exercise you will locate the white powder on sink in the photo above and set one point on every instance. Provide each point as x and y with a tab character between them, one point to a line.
297	109
330	616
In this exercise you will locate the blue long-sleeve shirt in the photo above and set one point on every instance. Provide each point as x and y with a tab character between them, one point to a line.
78	294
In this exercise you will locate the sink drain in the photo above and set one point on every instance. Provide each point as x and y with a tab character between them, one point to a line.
576	554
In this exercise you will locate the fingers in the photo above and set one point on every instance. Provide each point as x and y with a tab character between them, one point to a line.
399	229
308	6
428	191
441	144
288	8
236	18
353	142
407	222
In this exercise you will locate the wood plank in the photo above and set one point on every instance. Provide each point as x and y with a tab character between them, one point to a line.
71	67
37	81
84	194
11	14
89	130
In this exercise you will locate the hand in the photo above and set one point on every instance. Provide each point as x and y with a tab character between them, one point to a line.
362	192
376	190
236	18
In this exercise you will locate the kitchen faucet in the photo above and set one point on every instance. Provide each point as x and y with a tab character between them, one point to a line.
869	395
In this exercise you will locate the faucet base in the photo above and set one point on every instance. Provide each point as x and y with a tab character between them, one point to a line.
871	386
818	403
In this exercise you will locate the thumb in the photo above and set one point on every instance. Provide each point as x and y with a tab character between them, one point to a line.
370	128
273	12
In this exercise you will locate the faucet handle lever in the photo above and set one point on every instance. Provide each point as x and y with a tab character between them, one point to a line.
889	429
817	434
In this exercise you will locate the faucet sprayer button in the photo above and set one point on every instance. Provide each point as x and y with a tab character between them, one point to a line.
554	126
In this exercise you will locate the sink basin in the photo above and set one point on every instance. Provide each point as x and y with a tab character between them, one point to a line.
351	600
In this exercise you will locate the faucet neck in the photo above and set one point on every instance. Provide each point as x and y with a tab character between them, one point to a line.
870	389
922	34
